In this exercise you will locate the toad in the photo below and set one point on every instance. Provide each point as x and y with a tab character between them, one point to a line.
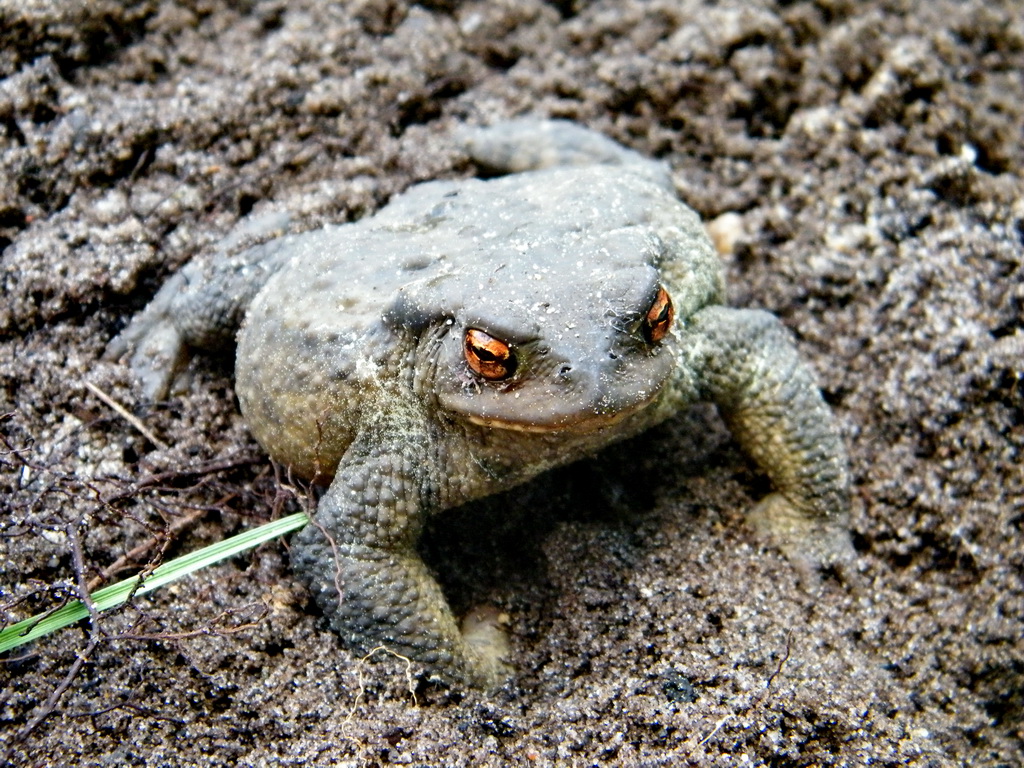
473	334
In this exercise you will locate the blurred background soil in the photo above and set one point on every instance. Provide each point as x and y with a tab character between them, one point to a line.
861	164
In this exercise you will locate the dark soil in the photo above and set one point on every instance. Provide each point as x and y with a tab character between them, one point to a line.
865	159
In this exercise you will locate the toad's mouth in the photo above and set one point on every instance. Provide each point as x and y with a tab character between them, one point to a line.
577	423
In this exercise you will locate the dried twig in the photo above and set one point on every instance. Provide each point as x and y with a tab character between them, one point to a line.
95	636
130	558
51	702
781	664
205	468
360	665
755	701
83	588
207	631
125	414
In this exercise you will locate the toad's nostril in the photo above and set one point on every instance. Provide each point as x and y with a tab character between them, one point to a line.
565	370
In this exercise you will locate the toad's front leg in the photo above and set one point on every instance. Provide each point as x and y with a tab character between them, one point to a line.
359	556
201	306
747	365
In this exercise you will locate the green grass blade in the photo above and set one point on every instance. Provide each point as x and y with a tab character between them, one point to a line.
110	597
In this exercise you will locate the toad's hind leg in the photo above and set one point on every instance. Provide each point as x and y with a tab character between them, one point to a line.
529	144
359	558
747	365
202	305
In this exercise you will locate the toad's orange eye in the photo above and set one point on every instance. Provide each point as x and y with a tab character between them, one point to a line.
659	317
489	357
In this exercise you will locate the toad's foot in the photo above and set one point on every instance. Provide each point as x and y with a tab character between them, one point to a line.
153	341
807	540
483	633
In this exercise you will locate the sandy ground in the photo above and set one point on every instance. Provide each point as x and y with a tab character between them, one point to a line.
867	159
